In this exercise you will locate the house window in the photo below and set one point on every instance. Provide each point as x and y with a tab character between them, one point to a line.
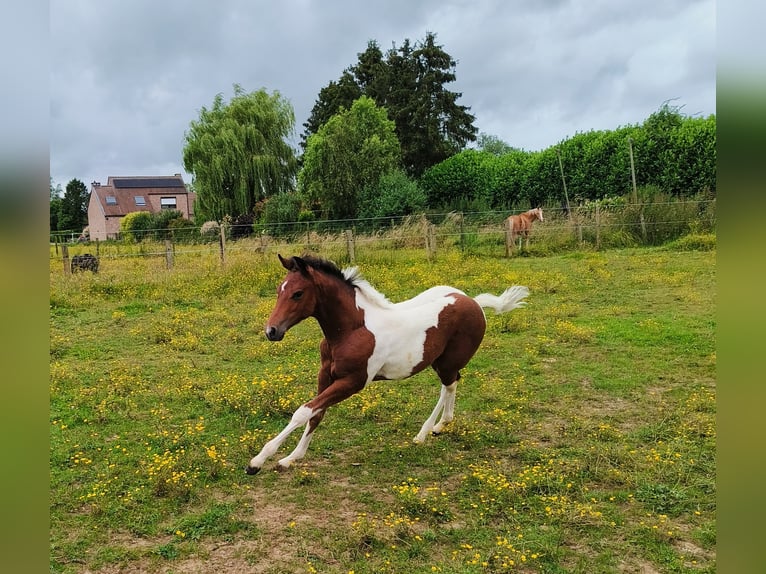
168	202
111	200
140	200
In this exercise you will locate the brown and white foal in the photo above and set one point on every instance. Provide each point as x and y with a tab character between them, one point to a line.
367	338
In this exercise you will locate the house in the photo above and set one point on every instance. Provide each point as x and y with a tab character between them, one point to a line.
109	203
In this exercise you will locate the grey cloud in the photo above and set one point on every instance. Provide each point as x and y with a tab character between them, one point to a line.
128	77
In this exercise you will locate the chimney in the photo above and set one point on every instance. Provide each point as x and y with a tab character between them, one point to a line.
96	183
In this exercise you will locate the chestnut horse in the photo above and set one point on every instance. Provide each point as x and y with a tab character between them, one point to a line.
520	225
367	338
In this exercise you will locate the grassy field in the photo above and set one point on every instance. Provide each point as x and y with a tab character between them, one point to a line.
584	438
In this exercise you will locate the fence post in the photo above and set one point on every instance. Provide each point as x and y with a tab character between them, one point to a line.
564	181
222	245
633	171
350	245
169	254
65	258
430	241
98	245
598	227
643	222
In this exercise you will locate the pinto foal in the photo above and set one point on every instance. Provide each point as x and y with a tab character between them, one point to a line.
367	338
520	225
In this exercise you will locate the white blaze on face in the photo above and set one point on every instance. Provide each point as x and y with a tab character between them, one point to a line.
283	286
400	330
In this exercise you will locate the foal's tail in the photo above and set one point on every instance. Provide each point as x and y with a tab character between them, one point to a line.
509	300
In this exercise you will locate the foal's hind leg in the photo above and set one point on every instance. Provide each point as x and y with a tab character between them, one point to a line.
446	406
449	408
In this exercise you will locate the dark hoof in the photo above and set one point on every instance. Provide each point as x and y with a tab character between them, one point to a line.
252	470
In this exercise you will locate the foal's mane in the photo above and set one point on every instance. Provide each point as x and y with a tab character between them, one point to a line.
350	276
328	268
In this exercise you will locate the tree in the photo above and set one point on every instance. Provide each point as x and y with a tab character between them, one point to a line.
55	205
394	194
73	214
238	152
332	98
409	82
349	153
492	144
433	126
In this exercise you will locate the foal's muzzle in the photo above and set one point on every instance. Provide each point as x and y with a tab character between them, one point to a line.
273	333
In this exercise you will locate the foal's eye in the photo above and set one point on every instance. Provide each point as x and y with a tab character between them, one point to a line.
297	295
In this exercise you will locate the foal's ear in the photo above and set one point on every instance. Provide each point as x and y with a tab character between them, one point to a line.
293	264
286	263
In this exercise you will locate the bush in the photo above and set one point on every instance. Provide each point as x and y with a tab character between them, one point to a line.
183	230
210	230
135	226
394	194
281	211
162	221
242	226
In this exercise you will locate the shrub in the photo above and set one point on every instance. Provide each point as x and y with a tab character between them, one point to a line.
135	226
281	211
210	230
162	220
183	230
394	194
242	226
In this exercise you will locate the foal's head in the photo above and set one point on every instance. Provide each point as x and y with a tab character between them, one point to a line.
297	294
537	213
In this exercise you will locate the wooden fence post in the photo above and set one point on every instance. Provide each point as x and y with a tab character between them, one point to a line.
169	254
633	171
643	223
430	241
564	181
598	227
350	245
65	257
222	245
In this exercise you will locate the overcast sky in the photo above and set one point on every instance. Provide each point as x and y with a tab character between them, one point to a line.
127	77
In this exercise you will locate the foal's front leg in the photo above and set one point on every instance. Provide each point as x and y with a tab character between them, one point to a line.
310	415
301	417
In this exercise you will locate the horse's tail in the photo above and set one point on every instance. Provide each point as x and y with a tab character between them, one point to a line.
509	300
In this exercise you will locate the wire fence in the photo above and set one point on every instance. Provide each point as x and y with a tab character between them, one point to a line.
594	226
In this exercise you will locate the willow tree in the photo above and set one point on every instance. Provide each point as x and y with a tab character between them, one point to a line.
239	153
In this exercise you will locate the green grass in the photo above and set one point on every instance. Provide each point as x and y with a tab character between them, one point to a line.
584	438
